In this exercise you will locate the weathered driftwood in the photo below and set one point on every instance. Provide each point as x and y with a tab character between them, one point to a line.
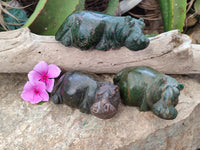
127	5
170	52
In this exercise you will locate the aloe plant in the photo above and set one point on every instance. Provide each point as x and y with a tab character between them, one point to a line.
36	12
49	15
173	14
197	7
112	6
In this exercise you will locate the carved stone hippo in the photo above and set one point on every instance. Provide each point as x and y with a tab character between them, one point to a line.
94	30
87	93
150	90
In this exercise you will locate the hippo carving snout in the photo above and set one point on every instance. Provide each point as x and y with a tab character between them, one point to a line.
180	86
56	99
143	42
103	111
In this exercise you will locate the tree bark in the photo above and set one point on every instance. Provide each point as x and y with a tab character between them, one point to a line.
170	52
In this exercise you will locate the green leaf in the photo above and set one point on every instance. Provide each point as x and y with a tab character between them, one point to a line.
166	11
49	15
179	14
173	14
52	16
40	103
112	7
80	6
36	12
197	7
151	35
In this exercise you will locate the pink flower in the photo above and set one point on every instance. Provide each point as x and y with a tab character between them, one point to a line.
45	73
35	92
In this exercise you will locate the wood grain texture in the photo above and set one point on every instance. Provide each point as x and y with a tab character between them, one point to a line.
170	52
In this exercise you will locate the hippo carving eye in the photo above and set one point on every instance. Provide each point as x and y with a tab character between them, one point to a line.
116	88
99	95
77	21
106	107
131	23
94	110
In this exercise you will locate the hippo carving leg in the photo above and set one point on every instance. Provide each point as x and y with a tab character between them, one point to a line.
165	107
56	98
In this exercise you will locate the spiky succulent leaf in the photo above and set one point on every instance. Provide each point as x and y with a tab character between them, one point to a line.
173	14
197	7
112	7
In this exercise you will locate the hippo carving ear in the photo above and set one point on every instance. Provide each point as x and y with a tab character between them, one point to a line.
141	22
141	19
128	18
180	86
131	23
100	84
116	88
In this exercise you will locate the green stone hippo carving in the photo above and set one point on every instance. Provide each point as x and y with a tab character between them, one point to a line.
94	30
88	93
150	90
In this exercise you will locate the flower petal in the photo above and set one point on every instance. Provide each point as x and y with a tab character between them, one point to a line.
39	85
41	67
49	85
28	92
41	88
34	76
44	95
53	71
36	99
28	86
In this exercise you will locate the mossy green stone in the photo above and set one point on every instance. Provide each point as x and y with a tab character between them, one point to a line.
150	90
94	30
